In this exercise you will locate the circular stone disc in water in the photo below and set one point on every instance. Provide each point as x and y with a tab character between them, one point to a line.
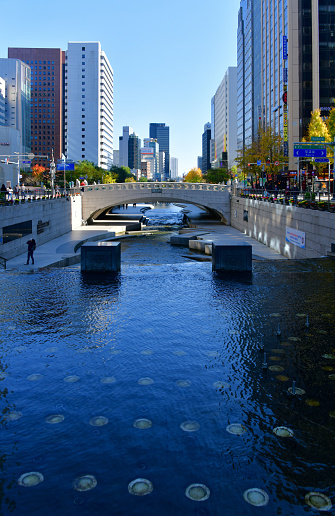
294	339
327	368
142	424
71	379
108	379
328	355
236	429
98	421
85	483
212	353
318	501
147	352
12	416
197	492
35	377
277	350
276	368
179	353
298	391
140	487
283	431
322	332
54	419
190	426
331	376
274	358
312	403
256	497
3	375
30	479
116	351
145	381
51	350
300	315
221	385
275	315
282	378
183	383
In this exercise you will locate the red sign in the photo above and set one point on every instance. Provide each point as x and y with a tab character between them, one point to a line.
276	163
284	97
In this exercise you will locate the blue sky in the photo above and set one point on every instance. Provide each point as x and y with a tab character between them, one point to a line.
168	56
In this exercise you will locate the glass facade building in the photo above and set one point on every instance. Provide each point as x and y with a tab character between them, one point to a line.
161	133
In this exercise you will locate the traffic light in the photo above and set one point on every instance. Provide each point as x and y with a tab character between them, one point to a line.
268	162
249	164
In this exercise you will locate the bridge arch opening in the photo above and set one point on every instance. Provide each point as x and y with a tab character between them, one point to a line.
105	213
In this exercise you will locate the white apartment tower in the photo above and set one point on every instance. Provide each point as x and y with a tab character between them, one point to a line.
224	125
88	104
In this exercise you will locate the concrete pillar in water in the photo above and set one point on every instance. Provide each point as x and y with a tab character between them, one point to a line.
231	256
101	257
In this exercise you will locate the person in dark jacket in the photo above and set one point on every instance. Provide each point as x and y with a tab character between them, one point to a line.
31	248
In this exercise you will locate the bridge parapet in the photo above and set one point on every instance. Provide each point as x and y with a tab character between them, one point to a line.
96	198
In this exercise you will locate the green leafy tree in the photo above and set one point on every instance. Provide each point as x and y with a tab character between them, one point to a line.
130	180
331	124
122	173
194	176
266	148
217	175
109	177
143	179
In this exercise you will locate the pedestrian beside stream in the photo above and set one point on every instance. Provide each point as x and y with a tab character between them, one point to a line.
31	248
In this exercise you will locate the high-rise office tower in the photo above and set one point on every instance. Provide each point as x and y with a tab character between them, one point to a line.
16	76
152	144
206	148
285	57
161	133
223	123
134	152
88	104
2	101
174	167
123	145
47	65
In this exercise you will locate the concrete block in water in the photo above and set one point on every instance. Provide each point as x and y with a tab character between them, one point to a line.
235	256
184	239
101	256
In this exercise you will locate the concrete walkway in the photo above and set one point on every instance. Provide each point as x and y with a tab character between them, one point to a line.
65	250
61	251
213	231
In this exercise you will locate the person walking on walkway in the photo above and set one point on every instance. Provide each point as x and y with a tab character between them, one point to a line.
31	248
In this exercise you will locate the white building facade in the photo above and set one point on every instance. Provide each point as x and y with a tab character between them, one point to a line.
16	76
224	123
173	168
88	104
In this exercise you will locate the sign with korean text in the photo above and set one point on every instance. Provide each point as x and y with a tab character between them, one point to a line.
296	237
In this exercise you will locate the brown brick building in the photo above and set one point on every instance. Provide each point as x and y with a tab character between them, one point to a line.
47	65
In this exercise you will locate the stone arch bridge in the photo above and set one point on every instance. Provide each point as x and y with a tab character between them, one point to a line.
215	198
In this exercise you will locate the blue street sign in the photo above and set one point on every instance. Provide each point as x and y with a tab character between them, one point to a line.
321	160
309	153
284	48
65	166
26	162
259	162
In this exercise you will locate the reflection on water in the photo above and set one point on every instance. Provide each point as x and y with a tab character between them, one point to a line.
151	384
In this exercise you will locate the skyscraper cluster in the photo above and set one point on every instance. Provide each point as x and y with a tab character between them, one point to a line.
285	70
59	103
151	161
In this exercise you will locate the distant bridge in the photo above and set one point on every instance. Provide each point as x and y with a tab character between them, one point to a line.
97	198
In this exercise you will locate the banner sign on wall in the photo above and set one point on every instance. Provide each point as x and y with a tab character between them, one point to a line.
296	237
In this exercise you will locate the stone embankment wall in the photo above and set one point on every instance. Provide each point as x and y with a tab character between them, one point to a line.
50	218
267	223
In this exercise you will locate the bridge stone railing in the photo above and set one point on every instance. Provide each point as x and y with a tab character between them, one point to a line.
155	186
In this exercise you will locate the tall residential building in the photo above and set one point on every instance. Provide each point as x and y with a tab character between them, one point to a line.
47	66
223	123
16	75
206	146
285	60
88	104
115	158
134	152
174	167
151	143
161	133
123	145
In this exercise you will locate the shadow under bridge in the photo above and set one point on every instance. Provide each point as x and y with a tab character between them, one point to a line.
215	198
